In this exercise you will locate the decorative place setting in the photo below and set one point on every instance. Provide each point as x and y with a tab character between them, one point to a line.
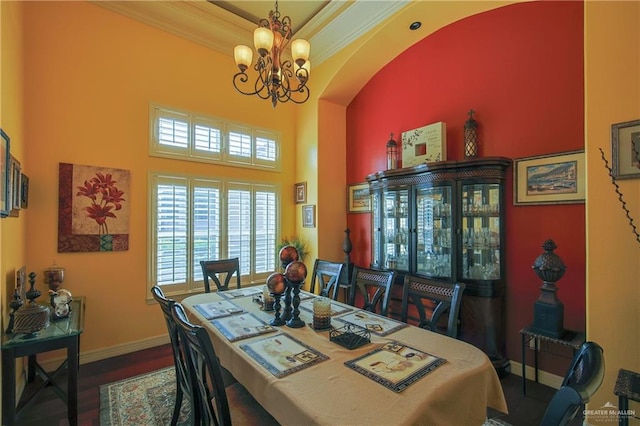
217	309
375	323
282	354
243	326
241	292
395	365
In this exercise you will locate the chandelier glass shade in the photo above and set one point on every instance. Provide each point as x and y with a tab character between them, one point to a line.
277	78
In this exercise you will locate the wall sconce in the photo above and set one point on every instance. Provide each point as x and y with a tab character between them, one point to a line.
470	136
392	154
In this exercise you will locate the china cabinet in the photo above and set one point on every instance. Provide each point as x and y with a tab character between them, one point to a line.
445	221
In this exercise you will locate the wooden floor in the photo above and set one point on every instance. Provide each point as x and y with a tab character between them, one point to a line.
48	410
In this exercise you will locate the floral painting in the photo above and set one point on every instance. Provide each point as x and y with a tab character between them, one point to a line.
94	209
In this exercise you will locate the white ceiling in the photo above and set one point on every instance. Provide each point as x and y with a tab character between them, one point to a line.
329	25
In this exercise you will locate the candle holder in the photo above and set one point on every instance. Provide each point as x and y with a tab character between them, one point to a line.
276	283
295	274
288	254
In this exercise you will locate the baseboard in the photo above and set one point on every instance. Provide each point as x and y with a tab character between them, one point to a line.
545	378
104	353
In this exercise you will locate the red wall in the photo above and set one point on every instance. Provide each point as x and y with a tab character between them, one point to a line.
521	68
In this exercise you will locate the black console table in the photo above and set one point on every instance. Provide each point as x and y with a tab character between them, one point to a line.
61	333
573	339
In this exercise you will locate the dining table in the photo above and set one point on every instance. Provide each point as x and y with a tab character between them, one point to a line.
398	374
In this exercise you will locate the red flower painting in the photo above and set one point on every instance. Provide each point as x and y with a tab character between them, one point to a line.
105	199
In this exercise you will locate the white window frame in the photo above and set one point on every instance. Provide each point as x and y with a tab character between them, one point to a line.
194	282
190	153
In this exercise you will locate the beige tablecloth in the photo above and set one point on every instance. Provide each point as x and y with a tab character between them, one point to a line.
329	393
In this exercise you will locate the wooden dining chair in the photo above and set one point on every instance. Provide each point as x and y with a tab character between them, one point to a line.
184	387
375	288
218	405
326	275
220	272
431	299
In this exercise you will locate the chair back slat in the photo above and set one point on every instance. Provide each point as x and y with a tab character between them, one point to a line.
220	272
375	288
432	299
326	274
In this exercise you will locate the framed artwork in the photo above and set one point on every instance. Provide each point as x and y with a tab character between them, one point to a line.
424	145
358	198
4	174
16	187
24	193
549	179
300	192
94	206
625	148
309	216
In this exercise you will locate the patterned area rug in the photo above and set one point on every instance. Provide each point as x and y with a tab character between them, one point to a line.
145	400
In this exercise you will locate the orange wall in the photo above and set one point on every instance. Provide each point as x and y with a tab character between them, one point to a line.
89	77
612	93
529	101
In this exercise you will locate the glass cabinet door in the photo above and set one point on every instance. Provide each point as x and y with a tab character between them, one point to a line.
434	229
395	229
481	231
376	228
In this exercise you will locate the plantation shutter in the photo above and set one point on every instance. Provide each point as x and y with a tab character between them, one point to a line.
171	236
206	226
239	227
265	235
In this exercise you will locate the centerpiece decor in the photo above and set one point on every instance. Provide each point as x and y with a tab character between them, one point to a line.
548	310
295	274
287	255
32	317
277	284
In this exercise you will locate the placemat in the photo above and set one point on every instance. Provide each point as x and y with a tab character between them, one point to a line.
395	365
241	292
375	323
336	309
217	309
282	354
242	326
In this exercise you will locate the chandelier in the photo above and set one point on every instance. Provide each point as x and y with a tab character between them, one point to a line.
277	79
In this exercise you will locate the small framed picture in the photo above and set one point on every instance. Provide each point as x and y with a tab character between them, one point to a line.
24	195
300	192
309	216
625	148
358	198
550	179
5	160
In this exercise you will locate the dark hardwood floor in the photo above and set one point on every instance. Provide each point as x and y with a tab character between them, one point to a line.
47	410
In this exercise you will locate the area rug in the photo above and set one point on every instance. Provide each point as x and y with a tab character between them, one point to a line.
145	400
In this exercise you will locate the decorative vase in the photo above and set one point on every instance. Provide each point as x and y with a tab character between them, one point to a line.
53	277
548	310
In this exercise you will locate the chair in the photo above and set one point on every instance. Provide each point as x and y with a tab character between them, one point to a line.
217	405
183	377
326	274
584	377
375	288
214	269
435	296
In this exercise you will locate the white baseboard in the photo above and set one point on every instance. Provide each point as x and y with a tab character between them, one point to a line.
545	378
100	354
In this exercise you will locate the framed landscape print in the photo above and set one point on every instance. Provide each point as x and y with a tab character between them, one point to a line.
550	179
358	198
625	149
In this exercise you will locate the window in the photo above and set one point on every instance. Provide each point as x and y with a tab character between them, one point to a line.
186	136
194	219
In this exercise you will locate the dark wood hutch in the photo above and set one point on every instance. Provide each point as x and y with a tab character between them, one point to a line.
445	221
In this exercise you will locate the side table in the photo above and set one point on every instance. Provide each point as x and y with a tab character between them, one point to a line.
61	333
573	339
627	388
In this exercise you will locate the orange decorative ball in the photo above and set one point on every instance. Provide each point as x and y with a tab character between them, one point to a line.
276	283
296	272
288	254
